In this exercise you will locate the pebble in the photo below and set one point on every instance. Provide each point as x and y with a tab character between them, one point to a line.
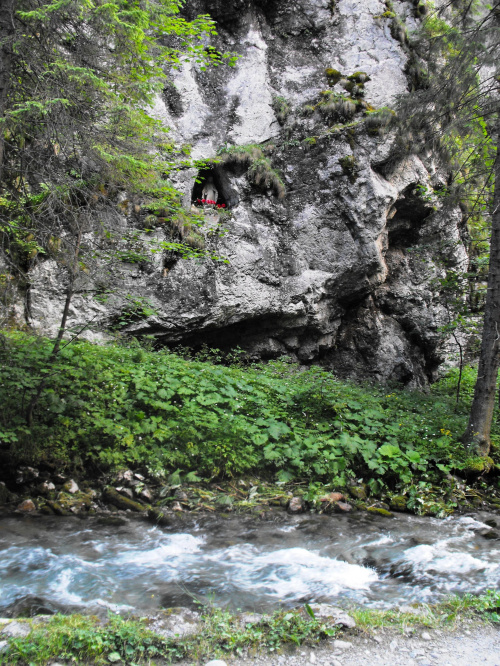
393	645
342	645
335	662
426	636
312	658
216	662
3	646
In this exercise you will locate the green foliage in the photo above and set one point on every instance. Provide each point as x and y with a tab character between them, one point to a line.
78	638
281	108
260	169
123	405
350	167
83	639
84	134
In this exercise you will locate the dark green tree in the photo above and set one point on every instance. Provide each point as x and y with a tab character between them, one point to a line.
455	111
77	83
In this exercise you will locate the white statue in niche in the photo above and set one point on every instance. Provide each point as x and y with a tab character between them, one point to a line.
209	191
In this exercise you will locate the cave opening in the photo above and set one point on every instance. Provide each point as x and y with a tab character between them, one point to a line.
213	183
408	215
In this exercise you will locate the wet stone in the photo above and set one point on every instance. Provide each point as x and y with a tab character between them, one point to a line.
71	487
295	505
342	507
26	475
146	495
26	506
126	492
112	496
358	492
46	488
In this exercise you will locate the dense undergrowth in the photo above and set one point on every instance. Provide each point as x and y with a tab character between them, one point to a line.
120	405
86	639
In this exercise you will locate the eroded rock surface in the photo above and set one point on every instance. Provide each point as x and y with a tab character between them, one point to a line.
342	270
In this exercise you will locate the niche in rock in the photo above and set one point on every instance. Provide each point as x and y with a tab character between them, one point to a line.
406	218
214	184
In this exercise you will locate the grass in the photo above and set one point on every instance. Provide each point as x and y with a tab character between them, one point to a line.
130	641
260	170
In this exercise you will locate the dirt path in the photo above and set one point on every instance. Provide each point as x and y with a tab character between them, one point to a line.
461	647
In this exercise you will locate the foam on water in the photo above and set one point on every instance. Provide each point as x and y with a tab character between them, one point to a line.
437	558
167	554
251	565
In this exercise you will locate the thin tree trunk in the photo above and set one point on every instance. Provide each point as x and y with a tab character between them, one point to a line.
477	435
6	34
60	334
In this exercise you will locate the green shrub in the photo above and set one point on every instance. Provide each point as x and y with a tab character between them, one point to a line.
122	405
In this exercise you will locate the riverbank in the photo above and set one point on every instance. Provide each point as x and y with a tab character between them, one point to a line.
448	633
136	429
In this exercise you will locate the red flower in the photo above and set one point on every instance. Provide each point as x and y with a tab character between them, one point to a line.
223	205
203	200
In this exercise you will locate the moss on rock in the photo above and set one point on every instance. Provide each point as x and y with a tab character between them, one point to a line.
112	496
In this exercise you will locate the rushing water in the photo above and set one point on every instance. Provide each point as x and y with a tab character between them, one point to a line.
62	564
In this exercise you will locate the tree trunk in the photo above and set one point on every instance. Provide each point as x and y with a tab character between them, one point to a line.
6	34
62	328
477	435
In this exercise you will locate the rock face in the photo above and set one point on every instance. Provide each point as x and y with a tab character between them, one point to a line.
340	271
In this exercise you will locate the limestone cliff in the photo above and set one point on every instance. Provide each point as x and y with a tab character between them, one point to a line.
340	271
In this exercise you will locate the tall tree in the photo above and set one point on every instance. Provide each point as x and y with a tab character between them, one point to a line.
455	110
77	82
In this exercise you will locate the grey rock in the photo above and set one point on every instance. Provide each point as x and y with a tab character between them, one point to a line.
181	495
295	505
71	487
16	629
216	662
146	495
4	646
26	506
178	622
336	615
125	491
46	488
425	635
323	275
342	645
176	507
125	476
26	474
